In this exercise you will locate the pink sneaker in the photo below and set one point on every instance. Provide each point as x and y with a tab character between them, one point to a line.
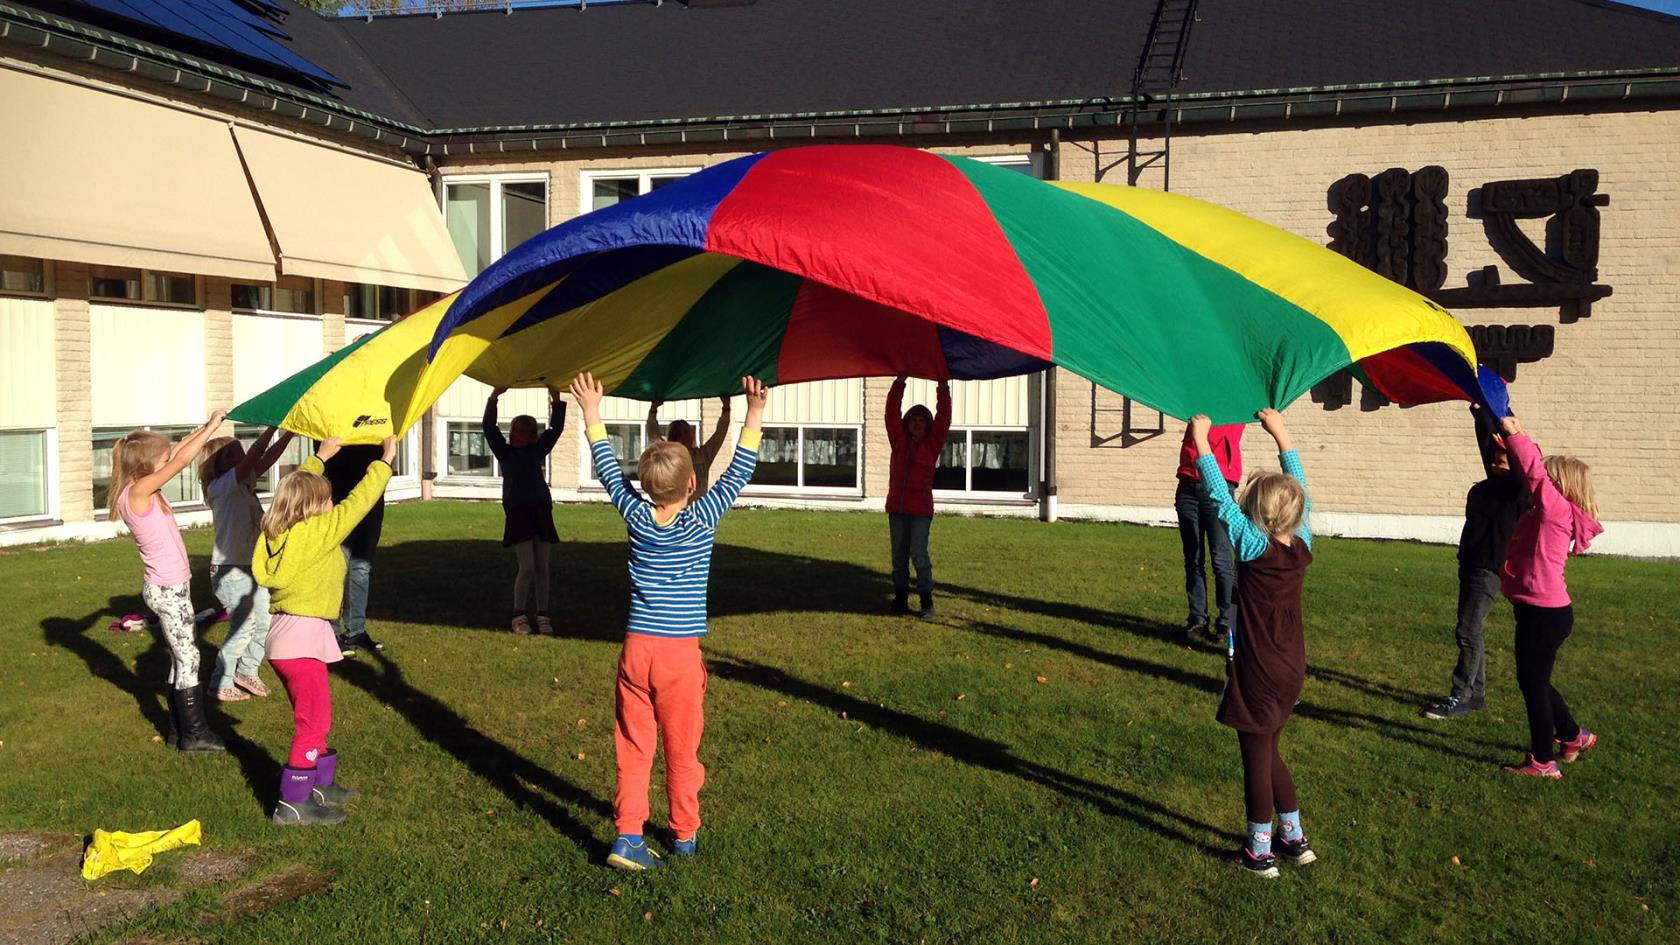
251	684
1535	769
1577	746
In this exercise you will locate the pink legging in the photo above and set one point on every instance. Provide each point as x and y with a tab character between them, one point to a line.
306	684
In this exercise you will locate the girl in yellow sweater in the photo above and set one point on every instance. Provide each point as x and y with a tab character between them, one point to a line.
298	559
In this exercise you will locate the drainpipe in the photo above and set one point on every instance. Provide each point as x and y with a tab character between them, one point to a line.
428	421
1047	378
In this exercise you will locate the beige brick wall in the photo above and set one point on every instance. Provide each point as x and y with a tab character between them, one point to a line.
1606	395
218	347
73	347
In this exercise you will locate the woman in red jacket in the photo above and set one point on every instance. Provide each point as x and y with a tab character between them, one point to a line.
917	438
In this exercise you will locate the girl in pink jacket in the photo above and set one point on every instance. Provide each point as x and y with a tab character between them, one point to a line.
1562	518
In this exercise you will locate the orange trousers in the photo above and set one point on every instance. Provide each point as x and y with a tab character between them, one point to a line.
661	691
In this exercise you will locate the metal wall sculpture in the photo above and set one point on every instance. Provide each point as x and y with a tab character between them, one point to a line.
1395	224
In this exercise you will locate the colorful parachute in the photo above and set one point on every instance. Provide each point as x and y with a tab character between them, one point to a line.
845	261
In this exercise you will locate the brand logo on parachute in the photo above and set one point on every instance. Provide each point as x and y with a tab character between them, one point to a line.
366	421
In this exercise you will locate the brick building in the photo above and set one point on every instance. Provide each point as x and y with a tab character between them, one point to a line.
509	123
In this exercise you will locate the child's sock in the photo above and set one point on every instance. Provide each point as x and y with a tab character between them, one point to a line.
1259	838
1290	825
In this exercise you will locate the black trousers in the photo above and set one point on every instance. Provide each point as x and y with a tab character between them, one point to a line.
1540	633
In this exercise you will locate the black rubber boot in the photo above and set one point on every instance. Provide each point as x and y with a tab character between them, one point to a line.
194	732
901	601
173	736
927	605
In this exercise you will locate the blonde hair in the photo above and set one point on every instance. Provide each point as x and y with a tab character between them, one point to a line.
218	459
1574	479
136	455
301	495
1274	502
665	468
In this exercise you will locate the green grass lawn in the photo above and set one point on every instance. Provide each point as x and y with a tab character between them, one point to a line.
1037	763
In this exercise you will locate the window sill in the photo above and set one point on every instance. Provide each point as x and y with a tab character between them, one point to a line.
26	522
271	313
142	303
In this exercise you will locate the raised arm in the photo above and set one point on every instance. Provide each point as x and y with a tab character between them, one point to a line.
1530	464
651	432
556	422
346	515
714	503
1272	422
586	390
1487	429
942	415
895	412
252	465
493	431
180	457
714	443
1247	539
277	450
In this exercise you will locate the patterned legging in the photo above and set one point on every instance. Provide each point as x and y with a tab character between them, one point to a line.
173	605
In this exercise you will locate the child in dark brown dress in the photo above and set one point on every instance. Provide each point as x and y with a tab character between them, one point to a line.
1268	657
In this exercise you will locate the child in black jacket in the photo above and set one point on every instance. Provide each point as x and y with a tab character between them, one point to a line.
1491	509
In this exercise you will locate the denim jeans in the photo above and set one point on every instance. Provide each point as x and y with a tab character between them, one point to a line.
1199	526
352	620
1478	588
910	542
246	603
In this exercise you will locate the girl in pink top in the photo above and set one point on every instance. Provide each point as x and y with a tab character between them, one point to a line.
1561	519
142	463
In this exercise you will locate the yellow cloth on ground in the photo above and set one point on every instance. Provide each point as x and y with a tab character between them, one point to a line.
113	850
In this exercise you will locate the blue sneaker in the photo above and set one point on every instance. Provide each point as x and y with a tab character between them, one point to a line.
626	855
685	847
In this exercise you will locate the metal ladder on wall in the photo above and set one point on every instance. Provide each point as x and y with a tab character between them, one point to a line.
1154	83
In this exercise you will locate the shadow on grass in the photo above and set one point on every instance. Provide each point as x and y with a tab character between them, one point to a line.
521	780
974	750
468	583
148	684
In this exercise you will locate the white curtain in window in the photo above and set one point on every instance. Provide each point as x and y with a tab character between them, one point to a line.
23	473
148	366
28	380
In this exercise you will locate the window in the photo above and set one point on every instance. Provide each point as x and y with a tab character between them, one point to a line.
23	474
142	285
605	188
1028	164
985	461
290	294
468	453
383	303
180	491
487	216
626	441
808	457
22	274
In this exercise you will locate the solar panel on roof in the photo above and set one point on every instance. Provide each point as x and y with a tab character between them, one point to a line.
243	28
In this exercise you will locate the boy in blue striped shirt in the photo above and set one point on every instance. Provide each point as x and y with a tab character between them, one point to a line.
661	677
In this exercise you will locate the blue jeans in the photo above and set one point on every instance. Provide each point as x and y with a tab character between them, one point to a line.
1478	589
910	543
352	620
1199	524
246	603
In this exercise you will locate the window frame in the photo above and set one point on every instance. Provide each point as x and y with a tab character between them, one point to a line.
441	451
47	287
800	488
498	234
586	460
643	177
968	491
196	305
314	299
49	446
102	511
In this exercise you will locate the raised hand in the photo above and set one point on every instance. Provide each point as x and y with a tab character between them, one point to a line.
388	449
497	392
328	448
216	418
1272	422
588	393
1200	424
1512	426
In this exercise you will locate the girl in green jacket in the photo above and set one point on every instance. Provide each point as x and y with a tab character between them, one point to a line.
298	559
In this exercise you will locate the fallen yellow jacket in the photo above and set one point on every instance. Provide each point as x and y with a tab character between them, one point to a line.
113	850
